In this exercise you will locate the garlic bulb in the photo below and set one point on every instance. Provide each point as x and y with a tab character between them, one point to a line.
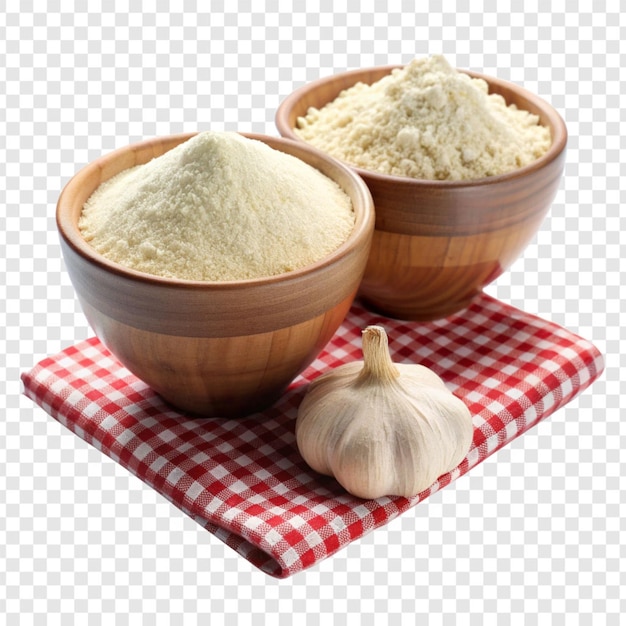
382	428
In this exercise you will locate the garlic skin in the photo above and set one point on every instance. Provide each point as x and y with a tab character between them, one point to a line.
382	428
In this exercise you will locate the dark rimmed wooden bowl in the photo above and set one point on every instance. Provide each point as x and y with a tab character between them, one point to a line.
214	348
437	244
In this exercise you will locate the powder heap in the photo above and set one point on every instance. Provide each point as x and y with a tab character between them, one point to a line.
218	207
429	121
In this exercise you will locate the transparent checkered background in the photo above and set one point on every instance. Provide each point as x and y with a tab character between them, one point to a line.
535	535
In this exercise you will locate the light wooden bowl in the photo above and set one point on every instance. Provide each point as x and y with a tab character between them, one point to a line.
437	244
214	348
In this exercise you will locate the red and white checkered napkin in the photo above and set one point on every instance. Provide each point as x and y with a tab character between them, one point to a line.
244	481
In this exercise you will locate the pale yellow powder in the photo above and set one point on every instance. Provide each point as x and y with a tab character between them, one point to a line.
429	121
218	207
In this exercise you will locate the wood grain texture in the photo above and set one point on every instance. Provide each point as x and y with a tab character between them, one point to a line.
439	243
219	376
214	348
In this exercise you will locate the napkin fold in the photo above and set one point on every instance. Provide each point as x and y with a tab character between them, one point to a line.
244	481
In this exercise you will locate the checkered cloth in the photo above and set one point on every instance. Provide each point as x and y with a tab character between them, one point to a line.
244	481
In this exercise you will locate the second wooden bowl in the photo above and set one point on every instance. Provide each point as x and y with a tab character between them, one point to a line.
437	244
214	348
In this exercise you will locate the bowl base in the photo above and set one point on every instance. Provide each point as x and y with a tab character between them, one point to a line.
412	313
227	408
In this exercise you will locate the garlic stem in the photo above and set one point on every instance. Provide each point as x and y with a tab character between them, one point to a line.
377	364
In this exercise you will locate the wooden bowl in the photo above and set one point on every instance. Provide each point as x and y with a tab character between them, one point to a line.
437	244
214	348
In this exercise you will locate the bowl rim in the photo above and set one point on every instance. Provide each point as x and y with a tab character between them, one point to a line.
69	231
557	125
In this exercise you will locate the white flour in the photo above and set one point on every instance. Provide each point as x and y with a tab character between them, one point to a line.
218	207
426	120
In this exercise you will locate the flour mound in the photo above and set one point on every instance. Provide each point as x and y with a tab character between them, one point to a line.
218	207
429	121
